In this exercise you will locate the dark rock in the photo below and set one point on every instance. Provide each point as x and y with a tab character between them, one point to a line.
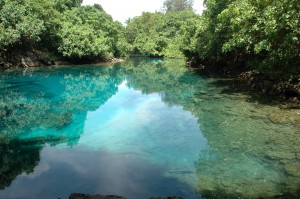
57	63
49	62
285	89
87	196
26	57
169	197
29	62
116	60
292	92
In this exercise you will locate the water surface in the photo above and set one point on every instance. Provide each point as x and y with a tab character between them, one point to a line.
142	128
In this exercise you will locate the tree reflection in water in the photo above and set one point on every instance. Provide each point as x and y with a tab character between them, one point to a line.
252	147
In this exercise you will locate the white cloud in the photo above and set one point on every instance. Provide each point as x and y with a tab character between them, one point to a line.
121	10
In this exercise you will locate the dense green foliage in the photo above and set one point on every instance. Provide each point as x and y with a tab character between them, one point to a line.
157	34
88	32
178	5
262	34
24	21
61	26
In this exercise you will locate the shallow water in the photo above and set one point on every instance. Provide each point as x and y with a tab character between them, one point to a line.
142	128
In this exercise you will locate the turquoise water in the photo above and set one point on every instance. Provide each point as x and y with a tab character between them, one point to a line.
142	128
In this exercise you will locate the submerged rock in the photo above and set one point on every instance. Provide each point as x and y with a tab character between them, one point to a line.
280	155
293	169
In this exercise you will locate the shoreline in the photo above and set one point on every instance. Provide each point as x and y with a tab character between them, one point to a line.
37	58
284	91
61	63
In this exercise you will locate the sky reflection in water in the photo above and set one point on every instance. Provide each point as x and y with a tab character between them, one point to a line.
130	146
141	128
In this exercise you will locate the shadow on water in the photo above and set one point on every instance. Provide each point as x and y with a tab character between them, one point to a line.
261	90
234	86
231	85
17	157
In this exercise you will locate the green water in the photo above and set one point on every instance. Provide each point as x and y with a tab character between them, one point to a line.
142	128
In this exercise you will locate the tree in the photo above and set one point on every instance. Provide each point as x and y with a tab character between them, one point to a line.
59	27
156	34
23	22
90	33
260	34
267	30
178	5
62	5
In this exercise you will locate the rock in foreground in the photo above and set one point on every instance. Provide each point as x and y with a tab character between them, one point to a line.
87	196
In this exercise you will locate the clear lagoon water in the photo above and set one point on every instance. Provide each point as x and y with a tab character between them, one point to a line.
142	128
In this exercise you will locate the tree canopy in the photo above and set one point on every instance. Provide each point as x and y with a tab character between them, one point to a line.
89	32
178	5
62	26
262	34
157	34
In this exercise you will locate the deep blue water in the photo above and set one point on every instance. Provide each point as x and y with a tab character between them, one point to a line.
138	129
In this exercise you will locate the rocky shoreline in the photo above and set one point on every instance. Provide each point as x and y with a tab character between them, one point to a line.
98	196
286	91
37	58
